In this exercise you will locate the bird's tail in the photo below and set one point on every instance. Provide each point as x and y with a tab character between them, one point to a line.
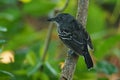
88	60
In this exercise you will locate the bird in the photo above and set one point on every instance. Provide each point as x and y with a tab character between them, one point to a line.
74	36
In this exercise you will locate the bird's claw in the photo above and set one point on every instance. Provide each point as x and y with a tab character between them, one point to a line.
71	52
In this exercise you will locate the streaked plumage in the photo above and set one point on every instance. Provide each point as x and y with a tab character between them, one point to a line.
74	36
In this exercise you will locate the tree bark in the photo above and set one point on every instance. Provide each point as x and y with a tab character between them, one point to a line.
82	11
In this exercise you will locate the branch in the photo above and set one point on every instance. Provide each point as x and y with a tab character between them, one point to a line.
48	38
69	67
71	60
47	41
82	11
66	4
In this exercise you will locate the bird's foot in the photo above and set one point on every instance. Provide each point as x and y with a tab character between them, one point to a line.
72	53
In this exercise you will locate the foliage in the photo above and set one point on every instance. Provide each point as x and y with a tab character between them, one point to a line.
23	30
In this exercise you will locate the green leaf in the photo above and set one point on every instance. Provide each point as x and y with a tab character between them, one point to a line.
105	46
0	52
12	77
52	70
34	69
71	8
40	76
9	15
31	58
2	41
116	51
96	19
106	68
85	76
7	2
20	72
3	29
38	7
98	35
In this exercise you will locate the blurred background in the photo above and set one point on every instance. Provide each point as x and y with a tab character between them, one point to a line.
23	36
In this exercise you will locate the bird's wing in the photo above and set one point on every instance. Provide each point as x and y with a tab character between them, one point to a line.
82	37
79	37
89	42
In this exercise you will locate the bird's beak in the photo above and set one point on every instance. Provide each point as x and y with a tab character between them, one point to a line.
51	19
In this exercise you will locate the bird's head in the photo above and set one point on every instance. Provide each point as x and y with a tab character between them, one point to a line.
62	18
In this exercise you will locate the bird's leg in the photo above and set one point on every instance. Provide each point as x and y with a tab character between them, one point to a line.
71	52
